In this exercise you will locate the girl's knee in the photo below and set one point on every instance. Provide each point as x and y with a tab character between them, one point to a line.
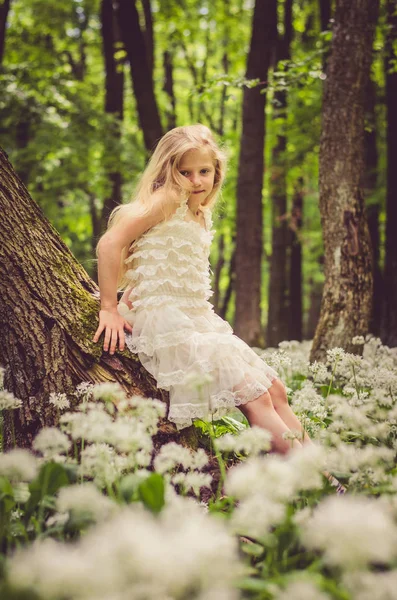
258	404
278	393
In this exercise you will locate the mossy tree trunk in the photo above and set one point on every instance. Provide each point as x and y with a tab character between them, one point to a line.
48	316
347	296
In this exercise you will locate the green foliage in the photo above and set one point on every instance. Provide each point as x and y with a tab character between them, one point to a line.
56	132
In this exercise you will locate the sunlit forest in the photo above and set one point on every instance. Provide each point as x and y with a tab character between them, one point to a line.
103	496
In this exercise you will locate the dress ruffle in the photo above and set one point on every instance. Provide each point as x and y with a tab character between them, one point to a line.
189	350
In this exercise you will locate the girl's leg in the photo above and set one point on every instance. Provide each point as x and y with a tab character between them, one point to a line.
262	413
279	398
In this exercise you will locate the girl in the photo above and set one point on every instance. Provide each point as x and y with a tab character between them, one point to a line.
157	249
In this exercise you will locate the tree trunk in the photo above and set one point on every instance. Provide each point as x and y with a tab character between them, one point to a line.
148	34
389	317
168	87
347	296
48	316
141	75
277	319
295	270
114	95
4	10
250	176
373	207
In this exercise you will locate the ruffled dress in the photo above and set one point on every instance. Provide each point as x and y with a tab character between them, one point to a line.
190	351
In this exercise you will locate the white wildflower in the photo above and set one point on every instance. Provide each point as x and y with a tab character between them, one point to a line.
84	390
51	442
369	586
8	401
172	455
358	340
100	462
269	476
192	481
85	500
335	354
308	400
94	425
57	520
135	554
351	532
319	371
256	515
252	441
302	589
108	392
59	400
21	492
18	465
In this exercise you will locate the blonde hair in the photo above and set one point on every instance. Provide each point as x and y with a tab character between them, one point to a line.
162	173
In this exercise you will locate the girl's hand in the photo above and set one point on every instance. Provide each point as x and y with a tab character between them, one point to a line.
113	324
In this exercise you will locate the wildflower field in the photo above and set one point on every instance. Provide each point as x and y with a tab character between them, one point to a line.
95	514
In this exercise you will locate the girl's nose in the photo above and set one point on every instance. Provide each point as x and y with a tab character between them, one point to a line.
195	179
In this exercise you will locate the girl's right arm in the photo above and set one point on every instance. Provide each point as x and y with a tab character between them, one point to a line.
110	247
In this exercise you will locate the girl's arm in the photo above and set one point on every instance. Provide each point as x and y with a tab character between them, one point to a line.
110	247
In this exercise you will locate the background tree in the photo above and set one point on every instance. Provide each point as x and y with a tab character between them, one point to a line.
347	296
250	176
277	321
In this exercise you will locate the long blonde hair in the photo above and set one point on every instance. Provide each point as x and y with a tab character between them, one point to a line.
162	173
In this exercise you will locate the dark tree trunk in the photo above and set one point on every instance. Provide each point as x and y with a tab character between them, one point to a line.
372	204
48	316
168	87
250	176
141	75
277	319
4	10
325	23
316	292
347	296
231	285
389	316
325	14
114	95
148	33
295	271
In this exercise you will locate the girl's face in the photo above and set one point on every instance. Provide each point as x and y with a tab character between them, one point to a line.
198	167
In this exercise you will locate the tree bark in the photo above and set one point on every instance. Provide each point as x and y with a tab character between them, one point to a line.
347	296
141	76
4	10
295	270
114	96
277	319
148	33
250	176
48	316
389	316
373	207
168	87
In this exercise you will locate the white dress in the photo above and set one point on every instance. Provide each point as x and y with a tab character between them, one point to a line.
179	339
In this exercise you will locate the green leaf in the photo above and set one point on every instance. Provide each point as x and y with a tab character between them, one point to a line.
51	478
151	492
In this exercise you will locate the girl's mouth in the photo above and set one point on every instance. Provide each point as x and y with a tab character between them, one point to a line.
199	192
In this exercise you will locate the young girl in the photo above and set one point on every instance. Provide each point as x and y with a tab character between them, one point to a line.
157	249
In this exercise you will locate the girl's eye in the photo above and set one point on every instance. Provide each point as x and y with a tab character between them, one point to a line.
184	173
205	170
